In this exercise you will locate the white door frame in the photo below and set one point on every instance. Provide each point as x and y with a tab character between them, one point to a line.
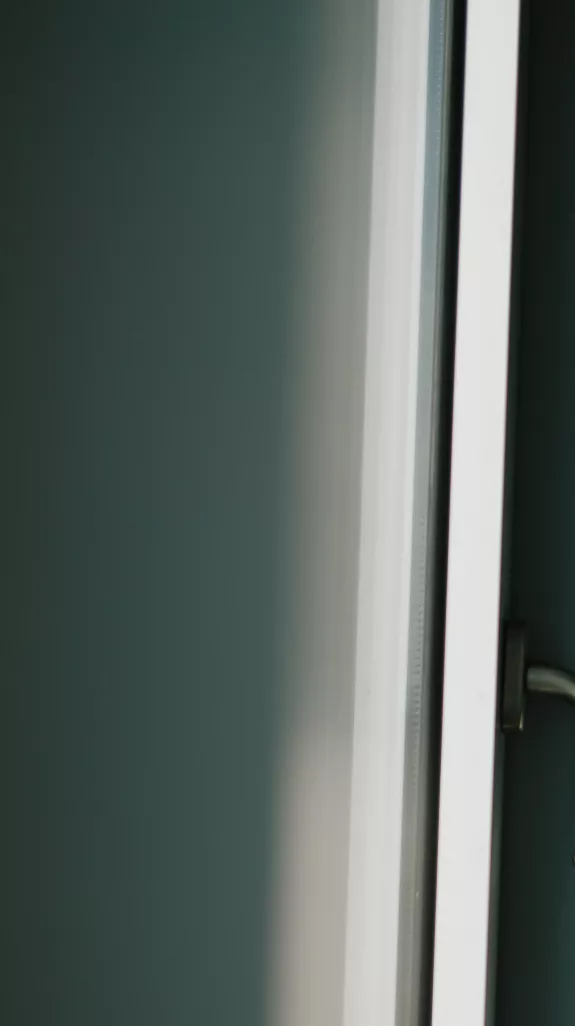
463	907
385	937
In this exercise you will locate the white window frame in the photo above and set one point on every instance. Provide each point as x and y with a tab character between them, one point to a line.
408	148
464	884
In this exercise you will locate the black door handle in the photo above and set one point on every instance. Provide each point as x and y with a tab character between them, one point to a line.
519	680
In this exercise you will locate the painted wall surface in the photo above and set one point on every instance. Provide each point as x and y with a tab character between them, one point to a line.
184	232
536	984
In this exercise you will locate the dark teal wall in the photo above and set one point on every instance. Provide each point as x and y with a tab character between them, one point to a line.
536	983
146	209
184	225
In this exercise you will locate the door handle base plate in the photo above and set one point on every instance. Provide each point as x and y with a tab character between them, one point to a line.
514	667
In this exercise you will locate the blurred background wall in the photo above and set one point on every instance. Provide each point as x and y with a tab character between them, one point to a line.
184	236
